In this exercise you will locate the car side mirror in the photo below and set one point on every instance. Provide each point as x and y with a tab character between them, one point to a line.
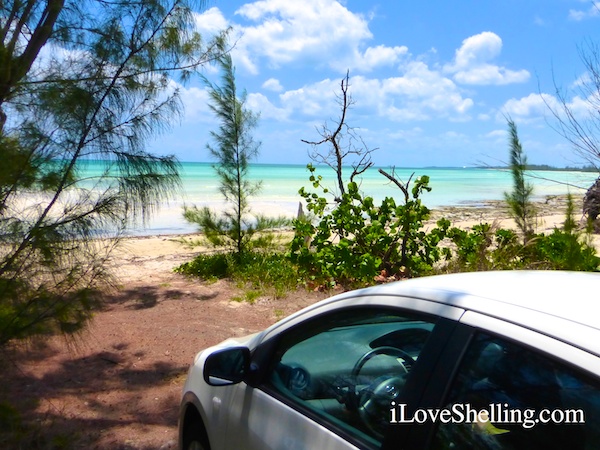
226	367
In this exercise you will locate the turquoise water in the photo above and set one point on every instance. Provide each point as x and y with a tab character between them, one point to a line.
450	186
280	185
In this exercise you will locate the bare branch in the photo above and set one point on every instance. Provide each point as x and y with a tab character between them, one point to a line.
402	186
342	143
583	132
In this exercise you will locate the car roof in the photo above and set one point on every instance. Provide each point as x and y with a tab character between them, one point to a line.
573	296
560	304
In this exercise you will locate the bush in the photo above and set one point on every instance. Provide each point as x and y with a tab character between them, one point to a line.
567	248
209	267
356	240
563	250
487	248
263	271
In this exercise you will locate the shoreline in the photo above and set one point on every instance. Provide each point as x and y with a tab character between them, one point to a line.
144	254
549	205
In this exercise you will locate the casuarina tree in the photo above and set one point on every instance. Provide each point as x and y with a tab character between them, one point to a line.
519	199
83	85
233	148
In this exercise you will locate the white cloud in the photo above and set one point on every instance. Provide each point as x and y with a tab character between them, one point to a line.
417	95
285	31
537	106
422	91
472	62
280	32
592	11
260	104
532	105
582	108
454	136
475	49
211	21
195	102
496	137
496	134
317	100
272	84
374	57
406	135
582	81
490	74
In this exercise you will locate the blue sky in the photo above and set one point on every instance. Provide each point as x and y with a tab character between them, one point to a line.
432	81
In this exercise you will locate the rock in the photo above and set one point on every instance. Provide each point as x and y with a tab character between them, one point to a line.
591	201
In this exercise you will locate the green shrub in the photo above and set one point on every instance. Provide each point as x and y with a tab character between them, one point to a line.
357	240
267	271
484	248
261	271
562	250
518	200
567	248
209	267
487	248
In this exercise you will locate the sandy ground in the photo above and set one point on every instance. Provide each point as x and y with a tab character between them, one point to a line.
118	385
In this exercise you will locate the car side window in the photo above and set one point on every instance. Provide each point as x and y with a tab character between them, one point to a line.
507	396
344	370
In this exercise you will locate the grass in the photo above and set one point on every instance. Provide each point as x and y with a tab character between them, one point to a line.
258	273
248	296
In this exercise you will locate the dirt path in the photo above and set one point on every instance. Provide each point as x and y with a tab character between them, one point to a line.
118	385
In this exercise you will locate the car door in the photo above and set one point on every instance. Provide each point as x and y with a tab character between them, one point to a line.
514	388
329	382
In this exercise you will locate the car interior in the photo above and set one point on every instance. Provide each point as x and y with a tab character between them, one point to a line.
499	372
351	373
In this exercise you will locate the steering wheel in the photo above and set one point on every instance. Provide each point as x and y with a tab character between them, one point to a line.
374	402
384	350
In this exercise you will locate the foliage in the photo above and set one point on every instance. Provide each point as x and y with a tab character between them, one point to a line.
579	122
519	200
235	147
358	240
354	241
486	247
567	248
261	271
208	267
100	91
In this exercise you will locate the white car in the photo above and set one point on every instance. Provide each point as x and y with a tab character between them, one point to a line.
488	360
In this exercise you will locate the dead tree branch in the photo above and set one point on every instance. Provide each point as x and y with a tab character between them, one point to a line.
343	142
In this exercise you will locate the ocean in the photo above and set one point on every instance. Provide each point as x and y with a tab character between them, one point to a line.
280	185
